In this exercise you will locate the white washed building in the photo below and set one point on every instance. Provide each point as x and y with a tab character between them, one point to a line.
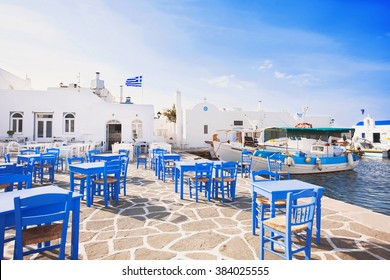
74	114
377	132
205	119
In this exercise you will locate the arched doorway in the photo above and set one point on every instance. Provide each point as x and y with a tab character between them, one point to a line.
113	133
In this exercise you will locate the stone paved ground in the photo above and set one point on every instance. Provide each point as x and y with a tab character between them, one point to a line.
152	223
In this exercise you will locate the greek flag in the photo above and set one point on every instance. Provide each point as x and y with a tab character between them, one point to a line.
134	82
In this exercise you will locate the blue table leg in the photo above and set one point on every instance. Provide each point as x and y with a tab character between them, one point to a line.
75	229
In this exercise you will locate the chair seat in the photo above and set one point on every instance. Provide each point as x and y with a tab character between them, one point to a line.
41	234
110	180
279	224
80	176
201	179
265	201
44	166
4	186
142	156
225	179
282	172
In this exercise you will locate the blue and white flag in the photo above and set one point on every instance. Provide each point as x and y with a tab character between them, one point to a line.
134	82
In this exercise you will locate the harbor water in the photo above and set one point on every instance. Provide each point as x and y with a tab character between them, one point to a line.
367	186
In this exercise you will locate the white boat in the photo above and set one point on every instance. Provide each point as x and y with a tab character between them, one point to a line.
300	150
364	148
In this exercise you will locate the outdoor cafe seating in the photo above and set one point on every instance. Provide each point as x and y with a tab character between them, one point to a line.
226	181
37	225
202	180
287	231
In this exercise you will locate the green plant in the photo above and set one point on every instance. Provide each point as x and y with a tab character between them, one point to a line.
10	132
170	114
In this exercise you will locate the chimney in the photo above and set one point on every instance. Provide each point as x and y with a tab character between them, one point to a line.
97	75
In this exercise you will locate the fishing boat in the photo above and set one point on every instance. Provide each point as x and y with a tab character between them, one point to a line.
300	150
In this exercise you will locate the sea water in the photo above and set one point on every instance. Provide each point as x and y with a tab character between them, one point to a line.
367	186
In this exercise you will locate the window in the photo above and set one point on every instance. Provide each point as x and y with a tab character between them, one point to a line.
136	129
69	120
17	122
238	123
205	129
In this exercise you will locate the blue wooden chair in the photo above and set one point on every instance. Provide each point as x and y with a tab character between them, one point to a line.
123	174
289	230
124	151
168	166
263	203
59	160
246	163
275	166
226	180
109	181
141	158
153	161
45	166
90	155
7	158
46	220
23	180
201	180
77	176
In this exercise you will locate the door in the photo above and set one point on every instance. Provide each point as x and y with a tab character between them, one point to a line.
113	133
44	127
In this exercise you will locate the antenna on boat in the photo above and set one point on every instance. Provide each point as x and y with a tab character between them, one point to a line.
78	82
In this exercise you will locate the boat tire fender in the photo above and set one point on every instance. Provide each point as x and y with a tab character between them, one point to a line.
289	161
318	164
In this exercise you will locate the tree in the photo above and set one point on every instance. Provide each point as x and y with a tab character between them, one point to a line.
170	114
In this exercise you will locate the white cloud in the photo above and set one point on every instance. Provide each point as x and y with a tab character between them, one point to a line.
265	65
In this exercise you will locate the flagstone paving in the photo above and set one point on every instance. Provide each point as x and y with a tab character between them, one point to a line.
152	223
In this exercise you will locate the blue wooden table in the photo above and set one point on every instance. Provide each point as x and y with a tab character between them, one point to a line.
275	190
182	167
7	213
88	169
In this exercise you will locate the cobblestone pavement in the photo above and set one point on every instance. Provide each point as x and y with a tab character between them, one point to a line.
152	223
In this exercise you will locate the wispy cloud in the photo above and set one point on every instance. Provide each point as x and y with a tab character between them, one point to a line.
265	65
228	81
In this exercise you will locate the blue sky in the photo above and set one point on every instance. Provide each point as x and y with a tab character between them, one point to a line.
330	56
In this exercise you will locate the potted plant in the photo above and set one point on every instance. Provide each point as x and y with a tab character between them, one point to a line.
10	133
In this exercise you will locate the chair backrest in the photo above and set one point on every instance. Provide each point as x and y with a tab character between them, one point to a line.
124	151
264	174
301	208
48	158
246	156
124	166
112	167
158	151
27	152
55	151
274	165
41	209
7	158
229	170
17	178
203	169
75	160
137	151
91	153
